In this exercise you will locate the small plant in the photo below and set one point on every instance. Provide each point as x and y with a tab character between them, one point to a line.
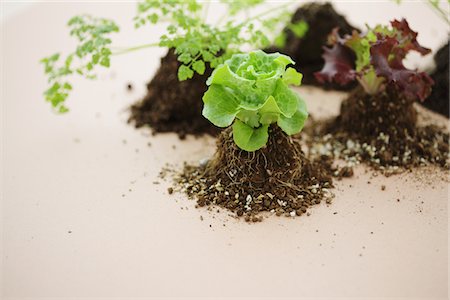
375	59
250	92
196	43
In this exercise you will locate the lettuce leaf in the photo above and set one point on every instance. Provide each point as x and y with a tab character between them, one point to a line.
411	83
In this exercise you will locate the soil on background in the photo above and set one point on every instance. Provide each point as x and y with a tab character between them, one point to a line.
439	98
171	105
381	132
278	178
307	51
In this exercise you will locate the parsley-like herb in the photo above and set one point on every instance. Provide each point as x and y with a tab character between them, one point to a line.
196	43
93	49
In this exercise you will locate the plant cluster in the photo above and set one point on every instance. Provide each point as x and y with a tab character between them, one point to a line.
195	42
375	59
251	92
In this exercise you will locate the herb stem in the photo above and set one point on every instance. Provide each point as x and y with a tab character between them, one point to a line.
205	15
194	60
223	17
269	11
439	10
131	49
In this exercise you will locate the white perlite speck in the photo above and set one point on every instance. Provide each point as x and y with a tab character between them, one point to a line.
248	201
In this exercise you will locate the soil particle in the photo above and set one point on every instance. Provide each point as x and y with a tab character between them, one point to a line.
172	105
383	187
170	190
240	181
307	51
439	98
345	172
386	137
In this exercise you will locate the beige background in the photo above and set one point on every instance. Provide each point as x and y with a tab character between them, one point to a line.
68	173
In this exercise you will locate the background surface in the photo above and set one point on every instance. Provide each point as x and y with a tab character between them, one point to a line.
84	213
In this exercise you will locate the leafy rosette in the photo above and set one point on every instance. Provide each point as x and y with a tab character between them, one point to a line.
250	92
375	59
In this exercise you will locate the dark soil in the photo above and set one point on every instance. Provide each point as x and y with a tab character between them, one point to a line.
171	105
439	98
278	178
307	51
366	115
381	131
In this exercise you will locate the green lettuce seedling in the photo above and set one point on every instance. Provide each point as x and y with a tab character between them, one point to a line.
251	92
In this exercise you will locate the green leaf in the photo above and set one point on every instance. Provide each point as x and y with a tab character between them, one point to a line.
295	123
220	106
243	89
270	112
361	47
284	60
280	40
105	61
199	67
249	117
292	77
185	58
299	29
248	138
184	73
286	99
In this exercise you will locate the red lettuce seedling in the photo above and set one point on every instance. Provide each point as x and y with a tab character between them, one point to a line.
375	59
251	91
